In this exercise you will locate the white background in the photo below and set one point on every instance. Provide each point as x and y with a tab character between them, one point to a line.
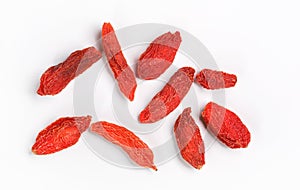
258	40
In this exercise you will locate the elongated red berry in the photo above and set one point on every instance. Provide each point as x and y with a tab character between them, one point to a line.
226	126
136	149
189	139
167	100
60	134
158	56
56	78
211	79
117	62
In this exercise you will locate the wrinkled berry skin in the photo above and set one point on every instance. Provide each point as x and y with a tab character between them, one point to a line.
189	139
136	149
159	56
117	62
57	77
167	100
213	80
60	134
226	126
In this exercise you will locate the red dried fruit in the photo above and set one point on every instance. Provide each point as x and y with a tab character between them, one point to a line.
60	134
158	56
189	139
169	97
56	78
211	79
225	125
137	150
117	62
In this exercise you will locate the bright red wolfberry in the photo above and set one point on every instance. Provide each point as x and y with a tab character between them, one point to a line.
226	126
158	56
56	78
189	139
118	64
60	134
167	100
137	150
211	79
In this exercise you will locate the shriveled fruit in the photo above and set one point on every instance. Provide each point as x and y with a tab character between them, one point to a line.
117	62
167	100
158	56
60	134
56	78
211	79
226	126
189	139
136	149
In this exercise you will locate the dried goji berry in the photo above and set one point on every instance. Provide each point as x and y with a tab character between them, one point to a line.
60	134
137	150
118	64
56	78
211	79
158	56
189	139
226	125
169	97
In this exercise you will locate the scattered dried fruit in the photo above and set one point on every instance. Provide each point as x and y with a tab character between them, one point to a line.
156	59
225	125
118	64
137	150
158	56
167	100
211	79
189	139
60	134
56	78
